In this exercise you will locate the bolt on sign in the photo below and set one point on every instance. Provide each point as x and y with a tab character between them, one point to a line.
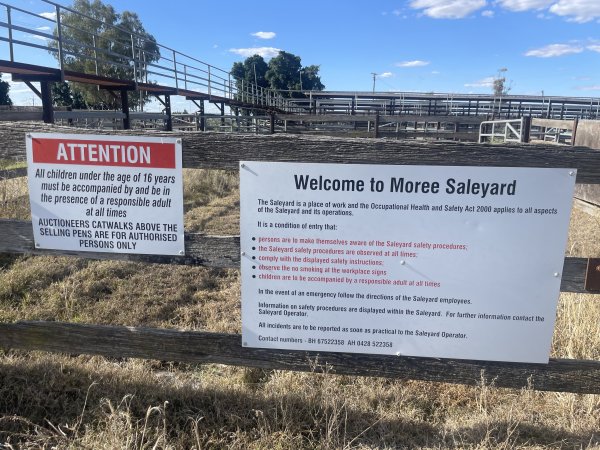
97	193
431	261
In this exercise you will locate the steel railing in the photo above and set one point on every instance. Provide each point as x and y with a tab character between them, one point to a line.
141	60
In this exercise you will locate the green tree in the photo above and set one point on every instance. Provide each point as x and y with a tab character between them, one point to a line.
63	95
96	39
4	97
283	72
252	71
311	81
247	76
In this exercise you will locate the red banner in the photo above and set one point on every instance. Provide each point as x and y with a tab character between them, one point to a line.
104	153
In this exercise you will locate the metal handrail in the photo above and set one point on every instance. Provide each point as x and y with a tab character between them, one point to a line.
504	133
179	68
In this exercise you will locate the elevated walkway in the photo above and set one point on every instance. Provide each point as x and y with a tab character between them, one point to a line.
145	65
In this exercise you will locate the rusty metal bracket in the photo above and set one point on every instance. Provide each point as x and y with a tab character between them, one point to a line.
592	275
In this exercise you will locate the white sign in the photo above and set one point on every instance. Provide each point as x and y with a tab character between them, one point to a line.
449	262
117	194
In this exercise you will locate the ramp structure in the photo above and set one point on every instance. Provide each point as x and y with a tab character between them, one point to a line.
146	66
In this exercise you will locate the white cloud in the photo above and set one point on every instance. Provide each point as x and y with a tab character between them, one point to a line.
41	38
487	13
178	104
48	15
577	10
525	5
594	48
448	9
415	63
19	93
594	87
265	52
574	10
487	82
386	75
399	13
264	34
17	88
554	50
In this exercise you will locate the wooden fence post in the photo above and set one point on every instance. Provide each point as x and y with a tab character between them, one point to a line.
125	109
525	128
48	110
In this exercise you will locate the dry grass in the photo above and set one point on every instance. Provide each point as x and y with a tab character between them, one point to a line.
583	241
14	199
212	201
60	401
89	402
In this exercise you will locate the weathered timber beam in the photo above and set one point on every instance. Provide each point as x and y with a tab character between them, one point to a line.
210	251
125	109
589	193
441	136
553	123
224	151
5	174
384	118
13	116
588	207
202	347
200	250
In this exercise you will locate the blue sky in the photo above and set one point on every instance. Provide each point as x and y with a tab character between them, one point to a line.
413	45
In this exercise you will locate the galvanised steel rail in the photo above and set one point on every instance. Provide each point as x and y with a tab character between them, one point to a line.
488	106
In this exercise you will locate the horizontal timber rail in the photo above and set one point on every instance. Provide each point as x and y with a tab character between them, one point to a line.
200	347
206	150
210	251
6	174
224	151
370	117
553	123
